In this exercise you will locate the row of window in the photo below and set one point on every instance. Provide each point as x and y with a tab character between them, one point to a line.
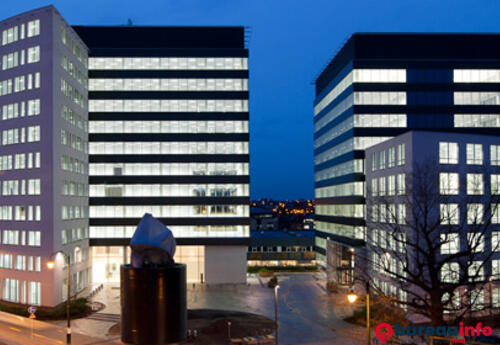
356	143
19	58
450	214
72	93
394	241
145	169
34	263
350	167
339	210
335	112
70	188
21	212
388	186
450	271
476	98
345	189
476	120
19	109
74	234
339	229
11	292
168	105
18	187
176	63
18	135
74	212
164	190
76	120
379	158
280	249
168	127
449	184
169	147
79	52
391	213
73	71
168	211
361	120
18	237
73	165
177	230
73	141
19	32
28	160
449	153
170	84
450	242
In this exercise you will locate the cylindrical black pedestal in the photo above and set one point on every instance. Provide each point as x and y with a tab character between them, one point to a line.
154	304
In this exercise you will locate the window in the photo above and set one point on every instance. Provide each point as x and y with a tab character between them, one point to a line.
495	184
382	186
401	154
450	243
476	271
495	154
35	294
392	216
448	183
475	184
374	187
33	133
495	213
392	157
475	241
10	60
34	54
401	184
391	181
10	35
34	238
474	154
33	28
402	214
475	214
382	160
374	161
448	153
495	241
449	214
10	290
495	297
33	107
374	213
383	213
20	263
477	299
495	269
450	272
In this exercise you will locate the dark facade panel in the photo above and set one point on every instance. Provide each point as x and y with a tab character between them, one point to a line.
184	200
173	221
181	241
163	137
149	37
168	94
169	179
340	159
191	74
350	242
341	200
341	220
167	116
169	52
169	158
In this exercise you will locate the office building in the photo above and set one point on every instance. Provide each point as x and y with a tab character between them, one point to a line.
445	187
168	135
379	86
43	157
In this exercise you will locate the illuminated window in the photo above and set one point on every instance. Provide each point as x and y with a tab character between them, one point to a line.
449	214
475	184
450	243
448	153
448	183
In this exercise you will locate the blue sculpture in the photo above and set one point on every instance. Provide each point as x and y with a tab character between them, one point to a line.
153	244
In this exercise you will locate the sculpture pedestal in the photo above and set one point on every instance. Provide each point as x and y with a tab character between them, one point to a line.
153	304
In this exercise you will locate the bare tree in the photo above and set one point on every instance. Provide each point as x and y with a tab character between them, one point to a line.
433	251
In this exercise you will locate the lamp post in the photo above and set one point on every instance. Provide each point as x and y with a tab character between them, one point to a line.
276	312
51	265
352	297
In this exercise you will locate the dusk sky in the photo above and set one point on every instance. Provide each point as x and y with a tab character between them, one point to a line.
291	41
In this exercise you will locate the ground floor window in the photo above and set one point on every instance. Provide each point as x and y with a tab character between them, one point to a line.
35	294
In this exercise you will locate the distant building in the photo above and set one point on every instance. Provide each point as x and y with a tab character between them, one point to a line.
379	86
281	248
468	169
263	219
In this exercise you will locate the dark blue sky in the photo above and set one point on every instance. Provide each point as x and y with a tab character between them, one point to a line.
291	42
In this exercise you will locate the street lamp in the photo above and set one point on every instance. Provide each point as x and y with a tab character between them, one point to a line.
352	297
276	312
50	266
